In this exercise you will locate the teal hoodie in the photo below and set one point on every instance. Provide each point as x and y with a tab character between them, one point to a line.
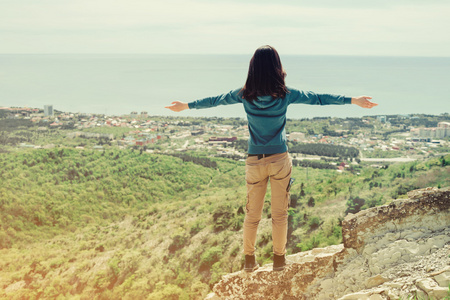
267	116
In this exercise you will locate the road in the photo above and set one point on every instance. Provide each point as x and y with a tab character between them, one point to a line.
393	159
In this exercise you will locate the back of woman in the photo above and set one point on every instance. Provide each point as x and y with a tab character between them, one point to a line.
265	98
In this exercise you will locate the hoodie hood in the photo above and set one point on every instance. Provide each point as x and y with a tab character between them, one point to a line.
265	102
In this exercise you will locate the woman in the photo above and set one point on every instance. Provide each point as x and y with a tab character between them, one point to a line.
265	98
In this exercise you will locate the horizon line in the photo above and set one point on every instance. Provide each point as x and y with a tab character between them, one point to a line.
213	116
221	54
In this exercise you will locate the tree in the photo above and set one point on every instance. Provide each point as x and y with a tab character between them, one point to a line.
354	205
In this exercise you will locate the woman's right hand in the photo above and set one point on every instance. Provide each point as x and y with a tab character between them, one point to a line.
178	106
363	101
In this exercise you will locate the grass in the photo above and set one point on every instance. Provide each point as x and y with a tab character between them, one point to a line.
417	297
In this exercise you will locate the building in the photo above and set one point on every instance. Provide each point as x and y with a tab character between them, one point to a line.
382	119
48	110
222	139
296	136
147	139
197	132
434	132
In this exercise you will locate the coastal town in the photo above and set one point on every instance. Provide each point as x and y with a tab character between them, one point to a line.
379	139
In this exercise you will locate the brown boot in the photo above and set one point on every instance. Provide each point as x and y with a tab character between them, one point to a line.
250	263
279	262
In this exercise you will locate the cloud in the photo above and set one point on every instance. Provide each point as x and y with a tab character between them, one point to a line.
176	26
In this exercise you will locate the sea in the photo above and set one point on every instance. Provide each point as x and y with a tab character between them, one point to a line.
117	84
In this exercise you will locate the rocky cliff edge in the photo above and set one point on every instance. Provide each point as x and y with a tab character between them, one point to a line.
388	252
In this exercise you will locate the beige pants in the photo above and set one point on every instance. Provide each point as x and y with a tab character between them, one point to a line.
278	168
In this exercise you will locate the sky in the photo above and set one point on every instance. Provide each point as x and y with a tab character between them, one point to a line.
318	27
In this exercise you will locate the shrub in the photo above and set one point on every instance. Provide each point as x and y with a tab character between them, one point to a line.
311	243
216	273
169	292
314	223
179	240
210	256
235	250
222	217
237	221
199	290
197	226
376	201
5	241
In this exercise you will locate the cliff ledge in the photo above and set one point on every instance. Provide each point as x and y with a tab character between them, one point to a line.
391	251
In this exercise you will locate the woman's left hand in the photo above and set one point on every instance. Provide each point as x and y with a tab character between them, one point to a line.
363	101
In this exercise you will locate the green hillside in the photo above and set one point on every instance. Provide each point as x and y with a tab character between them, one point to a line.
125	224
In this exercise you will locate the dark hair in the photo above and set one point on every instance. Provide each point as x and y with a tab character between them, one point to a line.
265	75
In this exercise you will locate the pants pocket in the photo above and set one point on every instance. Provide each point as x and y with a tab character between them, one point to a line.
281	169
253	173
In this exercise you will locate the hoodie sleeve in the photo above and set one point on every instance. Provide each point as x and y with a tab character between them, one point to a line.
296	96
231	97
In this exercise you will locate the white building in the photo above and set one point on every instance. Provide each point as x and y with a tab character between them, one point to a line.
48	110
443	130
382	119
296	136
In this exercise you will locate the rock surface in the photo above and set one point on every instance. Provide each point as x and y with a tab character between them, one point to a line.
397	250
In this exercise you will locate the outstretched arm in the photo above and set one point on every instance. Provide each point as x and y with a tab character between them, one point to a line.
178	106
307	97
231	97
363	101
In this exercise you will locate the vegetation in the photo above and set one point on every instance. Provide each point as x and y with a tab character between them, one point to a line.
203	161
313	164
107	224
324	150
419	120
123	223
378	153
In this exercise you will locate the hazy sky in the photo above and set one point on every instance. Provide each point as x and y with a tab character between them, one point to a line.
361	27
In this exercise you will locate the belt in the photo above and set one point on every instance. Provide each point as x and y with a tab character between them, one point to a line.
261	155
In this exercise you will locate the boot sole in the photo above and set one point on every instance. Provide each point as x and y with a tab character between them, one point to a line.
251	269
281	268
